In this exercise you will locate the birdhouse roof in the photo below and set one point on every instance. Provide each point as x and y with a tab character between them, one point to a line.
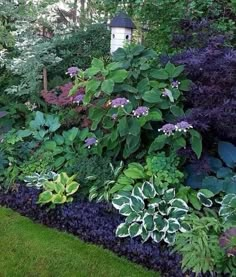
122	20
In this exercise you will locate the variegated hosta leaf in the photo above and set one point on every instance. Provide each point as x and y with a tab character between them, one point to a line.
228	198
148	190
177	213
226	211
151	209
145	235
159	190
133	217
184	227
170	238
122	230
157	236
162	207
169	195
161	224
174	225
204	200
137	192
154	202
148	223
136	204
126	210
179	203
119	200
135	229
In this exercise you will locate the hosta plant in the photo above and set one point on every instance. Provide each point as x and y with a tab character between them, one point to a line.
150	212
37	180
58	191
228	209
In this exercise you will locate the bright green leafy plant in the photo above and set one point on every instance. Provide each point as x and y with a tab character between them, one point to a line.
58	191
126	97
150	212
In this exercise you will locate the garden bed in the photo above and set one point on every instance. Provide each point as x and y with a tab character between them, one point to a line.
94	223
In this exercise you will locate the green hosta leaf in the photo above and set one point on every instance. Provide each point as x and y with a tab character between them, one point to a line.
59	162
132	217
135	230
59	199
39	120
52	123
118	76
173	225
159	74
192	197
157	236
170	69
224	172
108	86
161	224
50	145
122	230
179	203
137	192
148	190
45	197
148	222
204	200
72	188
177	213
126	210
92	85
119	200
145	234
169	195
207	193
58	139
227	152
134	172
162	207
114	66
97	63
136	204
170	238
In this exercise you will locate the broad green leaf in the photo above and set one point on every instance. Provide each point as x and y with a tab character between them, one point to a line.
126	210
132	145
143	86
157	236
118	76
123	127
133	126
108	86
170	69
159	74
178	70
50	145
177	111
70	135
170	238
92	71
119	200
134	173
97	63
158	143
136	204
135	230
72	188
173	225
92	85
152	96
169	195
179	203
45	197
114	66
59	199
122	230
132	217
148	222
161	223
148	190
196	143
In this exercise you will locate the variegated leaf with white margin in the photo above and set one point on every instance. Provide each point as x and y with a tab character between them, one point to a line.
228	198
161	224
145	235
169	195
148	223
162	207
170	238
177	213
226	211
126	210
148	190
204	200
122	230
135	229
136	204
184	227
179	203
154	202
157	236
119	200
137	192
133	217
174	225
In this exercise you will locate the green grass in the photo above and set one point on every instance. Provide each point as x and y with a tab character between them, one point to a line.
32	250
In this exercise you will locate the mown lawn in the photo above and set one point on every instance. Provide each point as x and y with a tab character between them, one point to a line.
28	249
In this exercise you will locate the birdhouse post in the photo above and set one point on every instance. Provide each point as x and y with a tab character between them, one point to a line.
121	31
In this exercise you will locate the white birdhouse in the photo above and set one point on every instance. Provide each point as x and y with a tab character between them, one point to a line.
121	31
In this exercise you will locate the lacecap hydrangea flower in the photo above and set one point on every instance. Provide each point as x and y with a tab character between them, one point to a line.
183	126
167	129
175	84
119	102
90	142
72	71
141	111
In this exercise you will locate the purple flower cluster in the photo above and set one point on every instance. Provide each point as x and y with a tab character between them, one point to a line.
175	84
90	142
141	111
169	129
96	223
72	71
119	102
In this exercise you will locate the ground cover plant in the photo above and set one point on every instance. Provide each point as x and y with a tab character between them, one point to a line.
134	151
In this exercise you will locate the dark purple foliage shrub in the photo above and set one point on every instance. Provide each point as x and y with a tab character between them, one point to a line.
225	240
95	223
212	99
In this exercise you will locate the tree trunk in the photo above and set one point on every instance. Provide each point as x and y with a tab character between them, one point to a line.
75	7
45	79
